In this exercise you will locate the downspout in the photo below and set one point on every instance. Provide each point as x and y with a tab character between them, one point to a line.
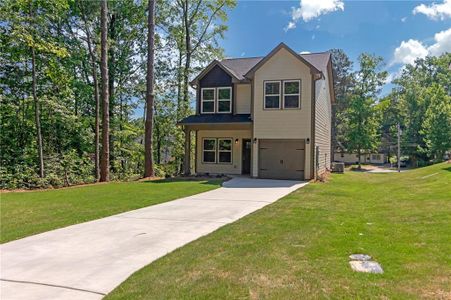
313	157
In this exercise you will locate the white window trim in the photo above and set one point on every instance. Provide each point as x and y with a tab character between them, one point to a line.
264	94
298	94
202	101
224	100
231	151
214	150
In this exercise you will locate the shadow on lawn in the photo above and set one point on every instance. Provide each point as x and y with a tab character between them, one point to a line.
209	181
447	169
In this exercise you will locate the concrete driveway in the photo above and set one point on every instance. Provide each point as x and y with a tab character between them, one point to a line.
88	260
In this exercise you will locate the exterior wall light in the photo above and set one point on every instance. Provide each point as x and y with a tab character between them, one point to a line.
255	140
236	141
308	140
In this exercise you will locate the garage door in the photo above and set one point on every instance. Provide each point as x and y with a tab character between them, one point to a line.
281	159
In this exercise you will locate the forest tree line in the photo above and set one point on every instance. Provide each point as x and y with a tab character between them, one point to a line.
420	102
51	129
51	90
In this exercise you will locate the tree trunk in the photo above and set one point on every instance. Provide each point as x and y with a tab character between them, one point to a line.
185	102
111	79
97	101
187	59
358	155
105	161
37	114
148	159
179	85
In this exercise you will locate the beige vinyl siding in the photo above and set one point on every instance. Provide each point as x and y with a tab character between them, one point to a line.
216	168
243	99
323	124
284	123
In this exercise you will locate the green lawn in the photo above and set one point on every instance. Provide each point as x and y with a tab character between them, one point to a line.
27	213
298	247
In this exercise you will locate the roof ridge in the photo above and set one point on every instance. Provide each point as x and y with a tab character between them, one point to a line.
247	57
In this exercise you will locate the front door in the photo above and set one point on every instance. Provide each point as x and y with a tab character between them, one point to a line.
246	157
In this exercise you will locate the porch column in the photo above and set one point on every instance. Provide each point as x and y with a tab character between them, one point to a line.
187	158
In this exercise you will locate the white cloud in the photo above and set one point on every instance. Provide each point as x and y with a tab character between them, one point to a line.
442	43
305	52
311	9
410	50
403	19
435	11
291	25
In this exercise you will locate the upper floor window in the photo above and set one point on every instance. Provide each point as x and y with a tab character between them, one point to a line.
224	99
208	100
282	94
216	100
291	93
272	94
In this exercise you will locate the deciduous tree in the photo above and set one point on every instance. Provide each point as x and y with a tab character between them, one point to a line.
362	127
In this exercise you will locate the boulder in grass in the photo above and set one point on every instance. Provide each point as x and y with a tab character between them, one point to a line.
366	266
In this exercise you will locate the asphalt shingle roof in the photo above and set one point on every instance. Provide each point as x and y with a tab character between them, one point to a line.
240	66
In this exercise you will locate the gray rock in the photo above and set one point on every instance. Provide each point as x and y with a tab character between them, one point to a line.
362	257
366	266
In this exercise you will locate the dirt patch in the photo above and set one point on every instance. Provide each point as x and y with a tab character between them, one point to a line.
153	178
324	177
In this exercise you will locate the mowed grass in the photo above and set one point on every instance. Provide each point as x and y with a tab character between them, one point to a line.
27	213
298	247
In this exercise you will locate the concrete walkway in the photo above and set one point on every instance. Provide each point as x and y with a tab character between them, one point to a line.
88	260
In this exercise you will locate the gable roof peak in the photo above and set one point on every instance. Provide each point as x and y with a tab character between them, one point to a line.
281	45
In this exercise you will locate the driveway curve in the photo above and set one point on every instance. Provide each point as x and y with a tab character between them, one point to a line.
88	260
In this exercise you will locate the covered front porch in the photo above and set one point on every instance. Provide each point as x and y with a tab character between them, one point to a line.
218	147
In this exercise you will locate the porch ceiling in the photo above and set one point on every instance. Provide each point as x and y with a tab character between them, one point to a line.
218	126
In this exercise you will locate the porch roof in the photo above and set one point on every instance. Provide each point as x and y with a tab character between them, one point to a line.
216	119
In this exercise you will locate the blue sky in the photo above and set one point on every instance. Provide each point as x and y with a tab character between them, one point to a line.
399	31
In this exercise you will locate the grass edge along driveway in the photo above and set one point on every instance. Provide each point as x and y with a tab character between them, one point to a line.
298	247
27	213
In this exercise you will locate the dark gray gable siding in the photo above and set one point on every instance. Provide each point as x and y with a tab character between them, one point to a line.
217	77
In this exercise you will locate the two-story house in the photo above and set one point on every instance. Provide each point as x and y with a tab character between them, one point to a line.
269	117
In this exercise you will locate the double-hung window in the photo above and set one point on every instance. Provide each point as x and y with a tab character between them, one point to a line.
272	95
209	150
208	100
284	94
291	93
216	100
225	151
217	150
224	99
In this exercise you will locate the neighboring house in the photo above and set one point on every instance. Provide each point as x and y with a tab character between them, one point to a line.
269	117
365	158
